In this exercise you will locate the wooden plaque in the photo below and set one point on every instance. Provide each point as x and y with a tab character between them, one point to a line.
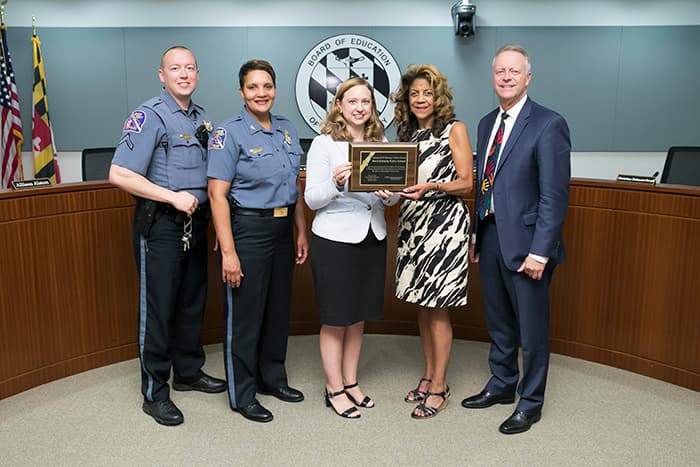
383	166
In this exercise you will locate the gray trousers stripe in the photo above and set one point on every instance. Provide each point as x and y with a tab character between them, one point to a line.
143	311
228	351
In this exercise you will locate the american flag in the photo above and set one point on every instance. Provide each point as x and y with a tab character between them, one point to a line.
11	130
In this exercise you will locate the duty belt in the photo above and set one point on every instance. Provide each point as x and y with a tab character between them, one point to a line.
202	211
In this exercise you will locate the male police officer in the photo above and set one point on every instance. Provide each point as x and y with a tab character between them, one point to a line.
161	161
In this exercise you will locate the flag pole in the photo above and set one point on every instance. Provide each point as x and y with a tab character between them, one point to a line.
43	146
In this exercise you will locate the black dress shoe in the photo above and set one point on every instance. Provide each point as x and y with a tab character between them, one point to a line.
203	383
255	412
284	393
518	423
486	399
164	412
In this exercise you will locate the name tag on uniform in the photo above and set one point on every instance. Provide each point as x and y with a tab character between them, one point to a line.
184	136
280	212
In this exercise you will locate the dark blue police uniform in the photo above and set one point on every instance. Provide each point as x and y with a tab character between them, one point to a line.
262	167
159	143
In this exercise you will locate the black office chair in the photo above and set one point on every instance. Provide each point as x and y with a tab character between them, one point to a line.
305	145
96	162
682	166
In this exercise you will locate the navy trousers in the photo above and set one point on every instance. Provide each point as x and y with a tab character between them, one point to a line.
257	312
172	296
517	313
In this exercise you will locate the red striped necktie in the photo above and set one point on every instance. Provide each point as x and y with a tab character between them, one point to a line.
486	204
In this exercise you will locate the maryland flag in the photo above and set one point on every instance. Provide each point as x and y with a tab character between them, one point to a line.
45	160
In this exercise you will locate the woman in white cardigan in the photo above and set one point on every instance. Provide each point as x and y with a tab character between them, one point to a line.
348	244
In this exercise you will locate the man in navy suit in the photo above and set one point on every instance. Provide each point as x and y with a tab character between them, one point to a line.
522	194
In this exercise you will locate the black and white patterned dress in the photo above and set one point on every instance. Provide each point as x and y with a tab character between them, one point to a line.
433	233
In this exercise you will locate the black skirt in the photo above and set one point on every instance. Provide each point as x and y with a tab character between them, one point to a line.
349	279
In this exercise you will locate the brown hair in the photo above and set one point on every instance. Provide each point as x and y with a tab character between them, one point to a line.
334	123
405	122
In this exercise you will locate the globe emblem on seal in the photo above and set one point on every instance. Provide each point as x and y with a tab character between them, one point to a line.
332	61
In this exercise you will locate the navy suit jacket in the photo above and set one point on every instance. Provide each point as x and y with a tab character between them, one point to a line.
531	186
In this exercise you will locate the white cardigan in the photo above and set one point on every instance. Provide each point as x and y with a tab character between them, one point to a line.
341	216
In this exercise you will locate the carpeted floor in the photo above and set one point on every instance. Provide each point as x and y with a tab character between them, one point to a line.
593	415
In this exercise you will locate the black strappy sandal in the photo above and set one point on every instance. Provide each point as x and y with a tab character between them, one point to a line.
417	394
345	414
365	402
428	411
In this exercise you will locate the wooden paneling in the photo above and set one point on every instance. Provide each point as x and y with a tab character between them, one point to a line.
67	281
627	296
629	293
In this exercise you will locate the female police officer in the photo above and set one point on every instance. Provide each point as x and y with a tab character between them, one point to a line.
253	168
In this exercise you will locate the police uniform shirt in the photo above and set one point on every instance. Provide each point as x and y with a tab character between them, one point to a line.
171	159
261	165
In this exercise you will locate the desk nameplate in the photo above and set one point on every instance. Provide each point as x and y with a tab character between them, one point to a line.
34	183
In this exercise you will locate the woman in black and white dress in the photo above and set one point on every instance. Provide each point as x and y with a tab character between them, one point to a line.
433	231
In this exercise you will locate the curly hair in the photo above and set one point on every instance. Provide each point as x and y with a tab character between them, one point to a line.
334	123
444	111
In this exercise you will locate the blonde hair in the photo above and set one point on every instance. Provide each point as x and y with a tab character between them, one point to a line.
444	110
334	123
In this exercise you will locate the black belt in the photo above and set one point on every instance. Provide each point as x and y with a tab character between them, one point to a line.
179	216
284	211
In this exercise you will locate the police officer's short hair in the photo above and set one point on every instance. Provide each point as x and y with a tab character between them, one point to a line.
251	65
176	47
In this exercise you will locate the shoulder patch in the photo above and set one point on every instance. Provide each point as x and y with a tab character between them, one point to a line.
217	139
134	124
